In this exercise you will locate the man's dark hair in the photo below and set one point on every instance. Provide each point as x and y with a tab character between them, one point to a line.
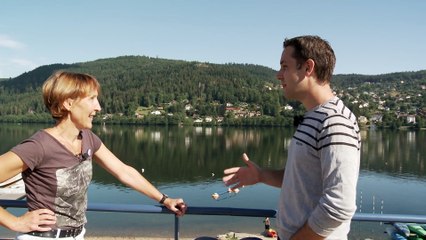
317	49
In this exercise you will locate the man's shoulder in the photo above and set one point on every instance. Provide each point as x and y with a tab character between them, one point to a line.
336	110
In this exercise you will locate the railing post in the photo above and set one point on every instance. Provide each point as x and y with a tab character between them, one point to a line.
176	227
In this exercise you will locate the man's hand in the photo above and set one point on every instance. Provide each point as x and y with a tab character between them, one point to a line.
306	232
242	176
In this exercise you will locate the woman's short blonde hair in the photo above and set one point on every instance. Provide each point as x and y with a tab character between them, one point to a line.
61	86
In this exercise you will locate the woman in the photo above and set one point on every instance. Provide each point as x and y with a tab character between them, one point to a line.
56	164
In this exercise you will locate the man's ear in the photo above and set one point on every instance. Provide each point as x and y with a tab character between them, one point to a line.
309	66
67	104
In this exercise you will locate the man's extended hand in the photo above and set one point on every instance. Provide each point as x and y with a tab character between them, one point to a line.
242	176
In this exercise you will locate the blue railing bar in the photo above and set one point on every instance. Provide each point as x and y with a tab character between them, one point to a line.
246	212
142	208
13	203
375	217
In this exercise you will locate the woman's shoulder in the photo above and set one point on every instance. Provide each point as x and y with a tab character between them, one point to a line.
94	140
41	136
87	133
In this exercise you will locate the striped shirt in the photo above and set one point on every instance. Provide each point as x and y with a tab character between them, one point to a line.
319	184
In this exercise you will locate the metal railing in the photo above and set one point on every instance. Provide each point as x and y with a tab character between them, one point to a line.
227	211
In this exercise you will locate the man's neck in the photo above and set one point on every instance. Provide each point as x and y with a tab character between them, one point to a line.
318	95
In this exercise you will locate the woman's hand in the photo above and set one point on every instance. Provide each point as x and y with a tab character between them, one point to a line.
177	206
37	220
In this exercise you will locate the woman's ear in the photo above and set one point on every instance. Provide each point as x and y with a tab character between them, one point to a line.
67	104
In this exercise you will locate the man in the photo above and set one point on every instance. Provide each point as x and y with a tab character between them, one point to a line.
318	184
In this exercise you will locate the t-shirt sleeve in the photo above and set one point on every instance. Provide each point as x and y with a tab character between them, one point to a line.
30	151
95	141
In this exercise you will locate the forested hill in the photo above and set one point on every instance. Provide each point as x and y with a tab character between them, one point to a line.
130	83
342	81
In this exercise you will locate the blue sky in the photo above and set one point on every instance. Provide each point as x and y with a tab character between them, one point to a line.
369	37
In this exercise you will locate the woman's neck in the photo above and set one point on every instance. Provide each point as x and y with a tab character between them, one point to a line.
66	131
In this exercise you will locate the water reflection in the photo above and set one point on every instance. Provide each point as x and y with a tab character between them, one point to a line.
182	154
189	161
394	152
188	154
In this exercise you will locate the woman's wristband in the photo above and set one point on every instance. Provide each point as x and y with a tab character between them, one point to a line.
163	198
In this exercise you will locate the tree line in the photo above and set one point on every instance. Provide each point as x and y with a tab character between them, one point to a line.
131	82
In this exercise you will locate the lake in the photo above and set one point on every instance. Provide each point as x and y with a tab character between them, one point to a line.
188	162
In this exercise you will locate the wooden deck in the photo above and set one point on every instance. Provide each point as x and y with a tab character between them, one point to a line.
13	188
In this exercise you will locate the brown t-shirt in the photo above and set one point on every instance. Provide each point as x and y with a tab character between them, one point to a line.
56	179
